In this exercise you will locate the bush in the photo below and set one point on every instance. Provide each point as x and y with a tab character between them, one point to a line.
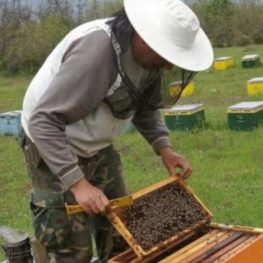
26	39
33	42
242	40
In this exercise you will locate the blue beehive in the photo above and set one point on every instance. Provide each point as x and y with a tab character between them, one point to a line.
10	123
129	127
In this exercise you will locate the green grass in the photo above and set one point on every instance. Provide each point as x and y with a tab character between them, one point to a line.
226	174
14	185
12	90
227	166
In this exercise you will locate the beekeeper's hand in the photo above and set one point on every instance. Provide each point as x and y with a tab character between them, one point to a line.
89	197
173	160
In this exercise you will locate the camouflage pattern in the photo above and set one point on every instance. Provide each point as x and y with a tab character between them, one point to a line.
69	238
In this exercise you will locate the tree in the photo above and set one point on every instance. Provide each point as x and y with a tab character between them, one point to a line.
62	8
80	7
34	41
96	9
12	16
217	19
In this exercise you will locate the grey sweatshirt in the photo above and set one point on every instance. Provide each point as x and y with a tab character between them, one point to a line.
64	113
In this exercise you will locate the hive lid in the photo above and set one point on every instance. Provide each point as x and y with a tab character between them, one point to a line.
11	113
186	108
178	83
257	79
161	214
223	58
246	107
250	57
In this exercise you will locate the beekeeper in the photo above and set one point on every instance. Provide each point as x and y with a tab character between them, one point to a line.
102	75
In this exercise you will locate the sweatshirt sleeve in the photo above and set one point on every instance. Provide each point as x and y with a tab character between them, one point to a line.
79	86
150	124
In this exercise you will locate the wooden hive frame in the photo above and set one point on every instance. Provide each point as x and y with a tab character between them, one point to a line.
115	218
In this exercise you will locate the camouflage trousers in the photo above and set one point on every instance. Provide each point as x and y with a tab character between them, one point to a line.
70	238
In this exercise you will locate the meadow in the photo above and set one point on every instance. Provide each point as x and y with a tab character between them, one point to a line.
227	165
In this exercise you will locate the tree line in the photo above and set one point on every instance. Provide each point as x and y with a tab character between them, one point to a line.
27	35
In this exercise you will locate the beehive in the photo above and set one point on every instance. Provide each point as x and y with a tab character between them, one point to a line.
251	61
129	127
185	117
223	63
176	86
212	244
10	123
245	115
255	86
171	205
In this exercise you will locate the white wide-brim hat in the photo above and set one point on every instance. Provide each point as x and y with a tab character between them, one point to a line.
172	30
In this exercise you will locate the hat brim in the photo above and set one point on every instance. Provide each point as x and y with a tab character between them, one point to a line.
145	17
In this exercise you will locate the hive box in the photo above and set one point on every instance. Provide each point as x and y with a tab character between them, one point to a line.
216	243
129	127
245	115
176	86
185	117
223	63
255	86
10	123
251	61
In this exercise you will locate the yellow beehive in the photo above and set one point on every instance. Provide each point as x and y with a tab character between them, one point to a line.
255	86
176	86
189	89
223	63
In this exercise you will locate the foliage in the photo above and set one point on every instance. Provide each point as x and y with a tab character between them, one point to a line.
11	18
230	24
32	43
28	36
96	10
217	19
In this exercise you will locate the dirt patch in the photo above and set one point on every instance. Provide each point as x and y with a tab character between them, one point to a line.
161	214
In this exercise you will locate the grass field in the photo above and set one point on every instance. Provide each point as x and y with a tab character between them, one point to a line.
227	165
